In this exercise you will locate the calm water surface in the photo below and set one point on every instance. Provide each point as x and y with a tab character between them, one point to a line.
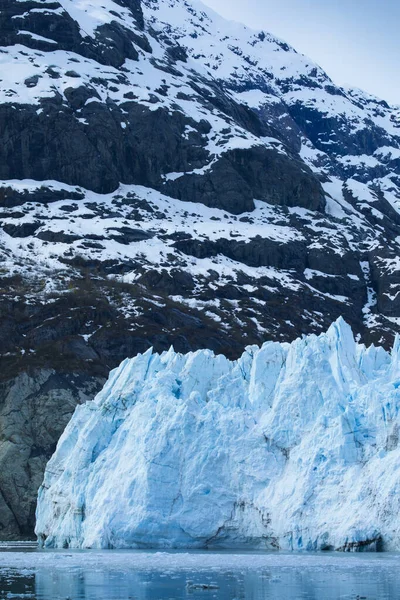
356	577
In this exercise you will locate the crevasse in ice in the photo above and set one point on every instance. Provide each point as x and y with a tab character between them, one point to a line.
293	446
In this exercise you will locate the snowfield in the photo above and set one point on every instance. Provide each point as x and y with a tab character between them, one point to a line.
292	447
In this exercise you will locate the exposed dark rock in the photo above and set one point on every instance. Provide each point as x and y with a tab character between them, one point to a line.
177	53
127	235
55	29
34	411
21	231
57	236
10	197
337	132
136	9
32	81
242	175
77	97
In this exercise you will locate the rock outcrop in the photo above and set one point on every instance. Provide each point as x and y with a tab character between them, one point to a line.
35	409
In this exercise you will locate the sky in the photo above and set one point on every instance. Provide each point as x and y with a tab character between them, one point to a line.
357	42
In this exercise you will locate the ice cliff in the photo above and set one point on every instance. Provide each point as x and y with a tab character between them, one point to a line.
293	446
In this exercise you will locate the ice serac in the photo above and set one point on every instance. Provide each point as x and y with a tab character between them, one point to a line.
293	446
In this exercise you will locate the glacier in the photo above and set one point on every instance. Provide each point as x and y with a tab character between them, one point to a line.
292	447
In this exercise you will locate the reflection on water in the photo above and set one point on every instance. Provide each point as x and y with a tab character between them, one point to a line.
277	583
17	586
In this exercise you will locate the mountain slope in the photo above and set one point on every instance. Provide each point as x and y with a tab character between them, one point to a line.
168	177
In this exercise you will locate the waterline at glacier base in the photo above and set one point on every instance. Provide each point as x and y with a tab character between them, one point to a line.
293	447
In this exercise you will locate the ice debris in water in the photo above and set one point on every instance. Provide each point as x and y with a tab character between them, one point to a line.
293	446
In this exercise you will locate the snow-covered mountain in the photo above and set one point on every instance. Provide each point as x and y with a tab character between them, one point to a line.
293	446
168	177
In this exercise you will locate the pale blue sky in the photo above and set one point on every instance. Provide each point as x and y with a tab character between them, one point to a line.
356	41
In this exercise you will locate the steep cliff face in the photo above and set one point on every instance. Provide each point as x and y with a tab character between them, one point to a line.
293	446
35	409
167	177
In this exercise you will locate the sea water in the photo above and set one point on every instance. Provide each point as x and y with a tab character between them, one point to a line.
26	573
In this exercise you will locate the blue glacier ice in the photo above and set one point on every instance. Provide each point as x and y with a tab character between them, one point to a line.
293	446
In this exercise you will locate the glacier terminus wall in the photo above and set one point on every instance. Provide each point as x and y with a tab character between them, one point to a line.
293	446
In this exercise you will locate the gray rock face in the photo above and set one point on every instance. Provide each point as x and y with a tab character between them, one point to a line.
165	179
240	176
102	154
44	28
34	411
